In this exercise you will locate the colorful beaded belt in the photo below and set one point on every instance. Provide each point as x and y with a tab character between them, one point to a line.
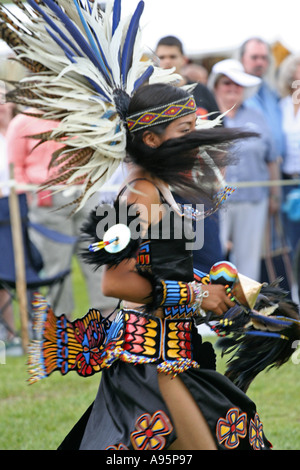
166	342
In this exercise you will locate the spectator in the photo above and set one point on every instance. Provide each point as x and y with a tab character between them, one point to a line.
7	112
170	52
52	210
255	57
243	221
289	80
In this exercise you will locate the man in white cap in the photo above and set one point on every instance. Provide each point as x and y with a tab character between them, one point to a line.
244	217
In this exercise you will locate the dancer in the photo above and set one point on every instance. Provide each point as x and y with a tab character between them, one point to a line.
151	306
159	388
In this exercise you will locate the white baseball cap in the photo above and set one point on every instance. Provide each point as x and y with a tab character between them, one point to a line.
234	70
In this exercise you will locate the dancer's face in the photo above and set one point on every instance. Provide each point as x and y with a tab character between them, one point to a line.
179	127
175	129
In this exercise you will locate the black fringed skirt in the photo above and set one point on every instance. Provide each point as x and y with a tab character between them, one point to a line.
129	411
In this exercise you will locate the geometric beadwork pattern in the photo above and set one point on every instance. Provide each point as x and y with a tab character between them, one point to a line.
161	114
92	343
178	340
142	335
181	311
86	345
144	255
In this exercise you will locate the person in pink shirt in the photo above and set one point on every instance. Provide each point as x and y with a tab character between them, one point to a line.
7	112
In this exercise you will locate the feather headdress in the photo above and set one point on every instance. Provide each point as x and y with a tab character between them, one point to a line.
84	65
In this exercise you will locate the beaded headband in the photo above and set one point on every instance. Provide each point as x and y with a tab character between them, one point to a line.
160	114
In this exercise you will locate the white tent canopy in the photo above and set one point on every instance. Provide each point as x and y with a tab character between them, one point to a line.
216	26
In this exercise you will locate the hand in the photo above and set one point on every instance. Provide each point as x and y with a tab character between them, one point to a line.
217	301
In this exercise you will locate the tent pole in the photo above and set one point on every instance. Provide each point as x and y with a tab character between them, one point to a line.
18	245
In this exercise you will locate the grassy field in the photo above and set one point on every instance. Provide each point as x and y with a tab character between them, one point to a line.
37	417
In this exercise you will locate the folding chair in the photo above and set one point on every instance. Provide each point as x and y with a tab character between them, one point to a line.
32	258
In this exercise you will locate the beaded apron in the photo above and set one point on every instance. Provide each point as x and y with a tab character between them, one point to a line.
92	343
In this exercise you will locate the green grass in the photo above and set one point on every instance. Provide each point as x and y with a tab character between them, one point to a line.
38	416
276	394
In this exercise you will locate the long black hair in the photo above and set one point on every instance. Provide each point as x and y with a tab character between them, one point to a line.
187	163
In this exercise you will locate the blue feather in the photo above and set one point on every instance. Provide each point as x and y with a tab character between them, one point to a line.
265	333
70	56
102	55
61	44
51	23
130	40
91	40
269	320
88	4
116	15
73	30
148	72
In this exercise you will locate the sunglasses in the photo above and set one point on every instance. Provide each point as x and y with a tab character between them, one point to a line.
228	83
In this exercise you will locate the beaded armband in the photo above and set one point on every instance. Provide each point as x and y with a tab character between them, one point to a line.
182	293
176	293
169	293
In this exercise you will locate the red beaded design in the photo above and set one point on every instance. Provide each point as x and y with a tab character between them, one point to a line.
161	114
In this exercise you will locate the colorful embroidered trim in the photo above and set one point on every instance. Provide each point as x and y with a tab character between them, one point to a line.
149	434
176	293
232	428
151	431
256	433
160	114
144	254
167	343
86	345
181	311
142	335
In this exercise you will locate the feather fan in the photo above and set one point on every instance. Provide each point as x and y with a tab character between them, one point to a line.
260	339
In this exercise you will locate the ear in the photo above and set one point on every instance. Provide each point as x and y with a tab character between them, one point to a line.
151	139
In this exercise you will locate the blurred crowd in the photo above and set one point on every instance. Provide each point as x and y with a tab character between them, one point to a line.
248	91
252	93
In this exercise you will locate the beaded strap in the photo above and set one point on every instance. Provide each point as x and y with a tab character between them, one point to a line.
159	114
199	293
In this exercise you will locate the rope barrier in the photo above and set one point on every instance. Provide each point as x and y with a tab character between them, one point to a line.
236	184
248	184
33	187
